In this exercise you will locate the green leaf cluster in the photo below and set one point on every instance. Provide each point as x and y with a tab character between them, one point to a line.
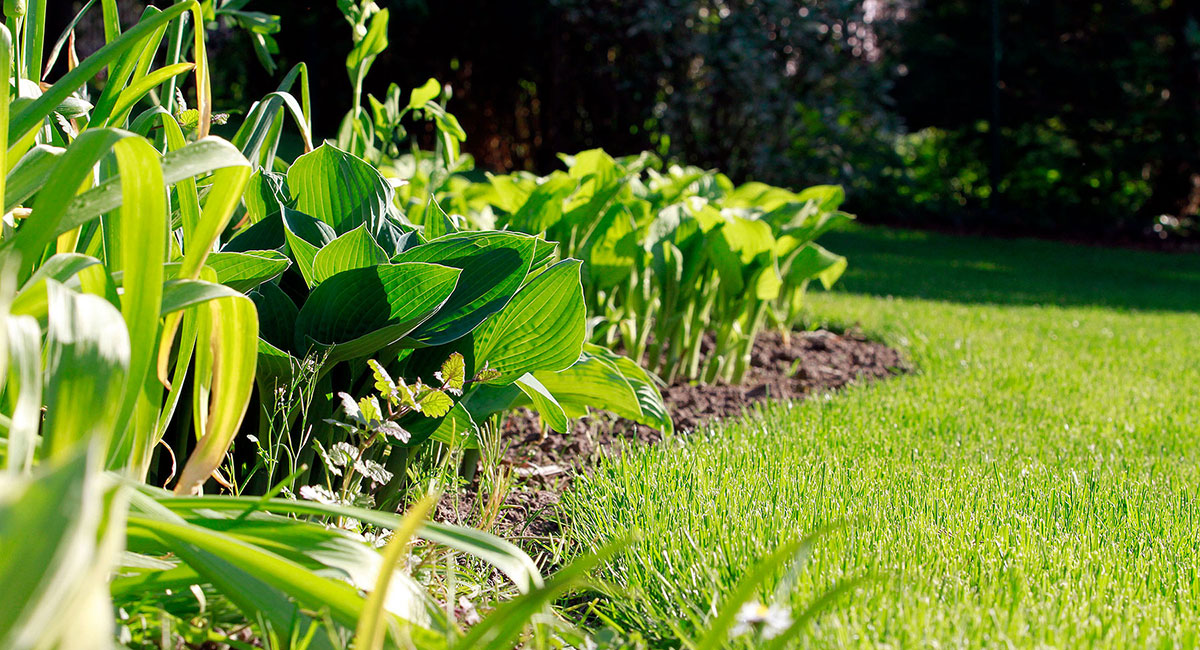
675	258
342	275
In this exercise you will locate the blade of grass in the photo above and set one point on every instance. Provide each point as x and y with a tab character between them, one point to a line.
235	355
370	630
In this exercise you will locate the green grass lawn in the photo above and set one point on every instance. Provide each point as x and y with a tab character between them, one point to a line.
1035	483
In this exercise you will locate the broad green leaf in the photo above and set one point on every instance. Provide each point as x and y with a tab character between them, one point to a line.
811	226
827	197
542	328
734	245
275	368
266	194
509	192
494	264
760	196
766	283
458	428
612	249
245	271
813	261
265	235
544	206
654	412
544	401
353	250
428	92
592	382
363	310
437	222
600	180
340	189
276	315
543	253
305	236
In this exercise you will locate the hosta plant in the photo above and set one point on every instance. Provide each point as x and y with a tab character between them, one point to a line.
339	273
673	257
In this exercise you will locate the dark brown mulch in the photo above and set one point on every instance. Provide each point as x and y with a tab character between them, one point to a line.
780	369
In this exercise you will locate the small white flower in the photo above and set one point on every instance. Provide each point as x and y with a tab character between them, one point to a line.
470	615
379	539
318	493
770	622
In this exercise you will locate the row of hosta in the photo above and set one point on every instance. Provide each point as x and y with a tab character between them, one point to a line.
671	256
159	286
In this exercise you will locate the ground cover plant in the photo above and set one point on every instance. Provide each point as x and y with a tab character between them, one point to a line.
1032	484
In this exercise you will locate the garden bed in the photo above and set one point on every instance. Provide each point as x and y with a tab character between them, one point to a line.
782	369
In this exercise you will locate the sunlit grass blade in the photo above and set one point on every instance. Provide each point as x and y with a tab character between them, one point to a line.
501	629
370	630
72	170
23	340
142	228
500	553
200	157
31	115
234	328
87	359
58	552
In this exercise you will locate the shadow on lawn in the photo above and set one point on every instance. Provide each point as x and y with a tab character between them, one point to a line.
932	266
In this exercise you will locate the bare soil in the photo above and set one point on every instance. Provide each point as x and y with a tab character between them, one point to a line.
781	369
